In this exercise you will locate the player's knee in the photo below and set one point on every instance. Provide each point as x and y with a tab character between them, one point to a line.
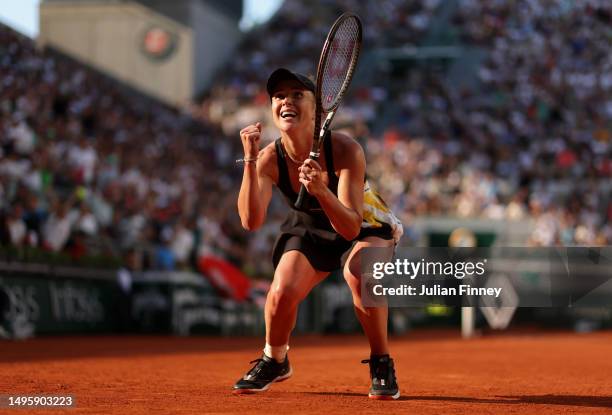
351	279
283	298
355	285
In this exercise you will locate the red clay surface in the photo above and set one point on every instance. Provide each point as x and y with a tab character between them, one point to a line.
438	374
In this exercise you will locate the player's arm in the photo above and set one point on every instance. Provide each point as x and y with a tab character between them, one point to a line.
256	188
345	212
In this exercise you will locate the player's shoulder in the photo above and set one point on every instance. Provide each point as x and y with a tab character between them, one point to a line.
346	147
269	151
342	138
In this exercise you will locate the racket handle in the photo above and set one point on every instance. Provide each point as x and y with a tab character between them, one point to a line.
301	196
299	203
314	155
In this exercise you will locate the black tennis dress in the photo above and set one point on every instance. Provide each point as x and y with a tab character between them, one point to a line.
309	230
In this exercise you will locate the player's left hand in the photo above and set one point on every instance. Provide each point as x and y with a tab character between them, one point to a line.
313	178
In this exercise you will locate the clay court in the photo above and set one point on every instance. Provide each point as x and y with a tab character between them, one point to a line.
438	372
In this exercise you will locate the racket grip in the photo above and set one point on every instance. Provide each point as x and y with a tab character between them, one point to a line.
299	203
314	155
301	196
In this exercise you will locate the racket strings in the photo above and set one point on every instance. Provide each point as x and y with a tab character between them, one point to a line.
343	54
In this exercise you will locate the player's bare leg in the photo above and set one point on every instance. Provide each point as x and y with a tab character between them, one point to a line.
373	319
293	279
374	323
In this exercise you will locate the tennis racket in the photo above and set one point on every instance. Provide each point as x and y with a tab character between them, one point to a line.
336	67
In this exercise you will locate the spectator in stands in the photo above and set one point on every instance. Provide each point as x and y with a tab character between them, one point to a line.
56	230
14	230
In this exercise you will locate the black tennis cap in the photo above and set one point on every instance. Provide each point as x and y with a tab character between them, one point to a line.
283	74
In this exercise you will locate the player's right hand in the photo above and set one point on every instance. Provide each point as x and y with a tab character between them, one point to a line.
250	136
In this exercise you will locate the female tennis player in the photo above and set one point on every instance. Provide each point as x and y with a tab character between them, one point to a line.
341	216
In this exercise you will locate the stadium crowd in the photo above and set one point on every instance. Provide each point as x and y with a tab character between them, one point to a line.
534	141
548	110
89	168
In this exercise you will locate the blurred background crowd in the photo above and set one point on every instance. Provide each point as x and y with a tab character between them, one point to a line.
90	168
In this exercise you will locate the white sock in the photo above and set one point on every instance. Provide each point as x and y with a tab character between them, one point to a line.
277	353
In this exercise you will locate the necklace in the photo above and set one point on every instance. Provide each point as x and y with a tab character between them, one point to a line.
294	161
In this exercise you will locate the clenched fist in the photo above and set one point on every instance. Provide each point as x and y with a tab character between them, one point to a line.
250	136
